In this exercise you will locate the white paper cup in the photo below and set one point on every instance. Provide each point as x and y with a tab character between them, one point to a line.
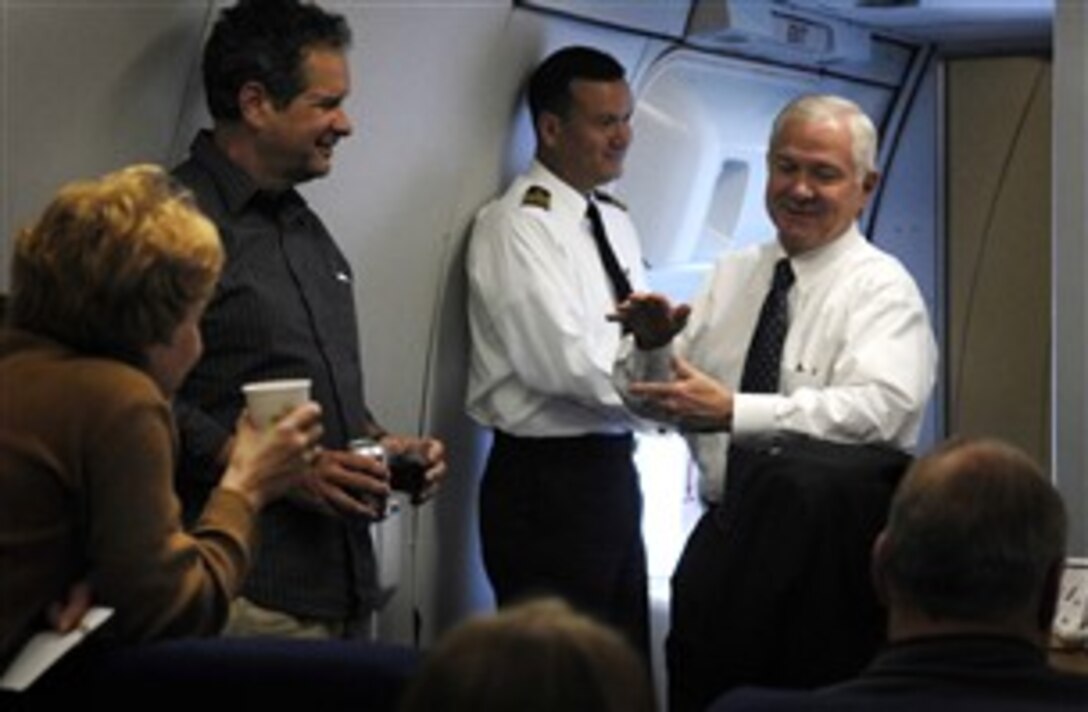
268	401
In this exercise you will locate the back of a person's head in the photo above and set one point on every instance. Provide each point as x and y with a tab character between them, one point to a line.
549	85
265	41
114	264
538	656
975	534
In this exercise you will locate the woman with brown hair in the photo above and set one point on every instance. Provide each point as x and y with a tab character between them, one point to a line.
107	290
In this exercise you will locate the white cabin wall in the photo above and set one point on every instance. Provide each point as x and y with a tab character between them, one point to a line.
6	219
1070	266
429	148
86	87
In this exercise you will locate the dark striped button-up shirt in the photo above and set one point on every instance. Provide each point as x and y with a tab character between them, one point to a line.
284	308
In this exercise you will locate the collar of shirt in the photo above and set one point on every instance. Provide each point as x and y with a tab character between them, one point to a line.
239	191
807	266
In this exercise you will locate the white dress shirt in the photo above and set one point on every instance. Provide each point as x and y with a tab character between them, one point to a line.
858	364
542	349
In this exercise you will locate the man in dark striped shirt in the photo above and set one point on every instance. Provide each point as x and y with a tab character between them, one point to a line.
276	76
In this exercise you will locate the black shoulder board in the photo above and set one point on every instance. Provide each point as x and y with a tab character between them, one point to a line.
538	197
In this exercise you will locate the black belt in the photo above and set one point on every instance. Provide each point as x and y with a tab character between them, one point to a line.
587	443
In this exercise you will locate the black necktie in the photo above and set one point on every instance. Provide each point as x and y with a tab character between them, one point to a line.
763	362
621	287
762	366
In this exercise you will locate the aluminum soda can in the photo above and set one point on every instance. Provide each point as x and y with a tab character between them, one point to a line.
369	447
373	449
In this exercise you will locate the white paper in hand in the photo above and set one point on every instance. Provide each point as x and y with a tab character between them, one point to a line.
46	648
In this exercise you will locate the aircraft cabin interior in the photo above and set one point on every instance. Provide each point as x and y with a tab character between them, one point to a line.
980	105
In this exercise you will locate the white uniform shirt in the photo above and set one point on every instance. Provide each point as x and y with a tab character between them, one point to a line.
542	349
858	364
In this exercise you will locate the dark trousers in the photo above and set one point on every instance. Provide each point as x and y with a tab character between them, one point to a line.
773	587
563	516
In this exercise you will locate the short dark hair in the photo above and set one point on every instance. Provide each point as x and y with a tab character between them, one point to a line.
549	85
974	531
265	41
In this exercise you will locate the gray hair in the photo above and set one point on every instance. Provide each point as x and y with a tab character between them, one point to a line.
827	108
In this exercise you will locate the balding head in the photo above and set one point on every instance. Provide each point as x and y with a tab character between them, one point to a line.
975	539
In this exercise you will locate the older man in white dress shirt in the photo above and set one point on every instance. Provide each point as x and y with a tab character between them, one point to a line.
855	370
